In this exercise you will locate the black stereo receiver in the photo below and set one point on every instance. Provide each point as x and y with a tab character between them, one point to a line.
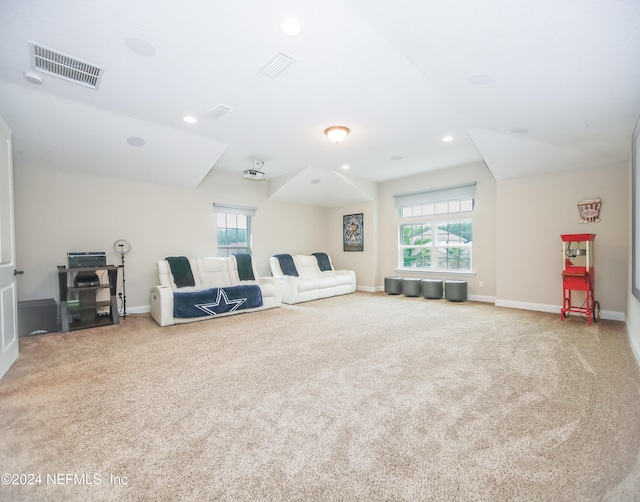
86	280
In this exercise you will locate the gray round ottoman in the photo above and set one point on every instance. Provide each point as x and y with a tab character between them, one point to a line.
432	288
393	285
455	291
411	286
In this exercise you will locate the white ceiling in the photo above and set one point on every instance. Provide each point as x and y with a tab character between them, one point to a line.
527	87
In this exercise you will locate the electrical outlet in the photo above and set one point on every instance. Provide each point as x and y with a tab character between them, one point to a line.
481	284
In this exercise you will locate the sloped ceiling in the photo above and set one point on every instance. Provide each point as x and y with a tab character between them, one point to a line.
73	136
326	188
509	156
527	88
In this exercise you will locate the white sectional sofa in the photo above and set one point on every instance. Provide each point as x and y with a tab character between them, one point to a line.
203	288
311	283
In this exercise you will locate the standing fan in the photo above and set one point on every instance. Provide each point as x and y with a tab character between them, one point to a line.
122	247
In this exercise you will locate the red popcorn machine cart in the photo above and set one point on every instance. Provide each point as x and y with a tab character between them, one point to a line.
577	275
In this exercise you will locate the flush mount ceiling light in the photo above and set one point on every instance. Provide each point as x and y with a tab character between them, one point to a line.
337	134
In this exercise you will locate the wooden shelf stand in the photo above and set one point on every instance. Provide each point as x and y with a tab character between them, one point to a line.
79	305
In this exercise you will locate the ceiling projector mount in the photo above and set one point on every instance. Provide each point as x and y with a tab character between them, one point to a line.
255	173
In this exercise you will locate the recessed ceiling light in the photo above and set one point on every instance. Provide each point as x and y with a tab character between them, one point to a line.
446	139
190	119
519	130
291	27
397	157
345	167
315	181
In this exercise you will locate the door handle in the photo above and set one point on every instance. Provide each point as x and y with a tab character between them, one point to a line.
18	272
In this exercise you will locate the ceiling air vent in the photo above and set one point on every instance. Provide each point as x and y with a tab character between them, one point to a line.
277	64
219	112
66	67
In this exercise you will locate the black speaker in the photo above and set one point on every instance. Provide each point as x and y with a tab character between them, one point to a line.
37	317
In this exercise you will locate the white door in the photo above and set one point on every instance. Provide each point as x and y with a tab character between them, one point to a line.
8	296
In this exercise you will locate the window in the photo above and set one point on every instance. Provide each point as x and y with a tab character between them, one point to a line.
430	237
233	224
431	208
440	246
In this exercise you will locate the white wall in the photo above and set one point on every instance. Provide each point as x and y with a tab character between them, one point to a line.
57	212
532	213
633	305
633	324
484	238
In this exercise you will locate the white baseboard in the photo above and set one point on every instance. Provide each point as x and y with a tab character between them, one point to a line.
634	348
369	289
612	315
539	307
143	309
481	298
555	309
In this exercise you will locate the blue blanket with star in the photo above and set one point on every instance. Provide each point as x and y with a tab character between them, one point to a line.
210	302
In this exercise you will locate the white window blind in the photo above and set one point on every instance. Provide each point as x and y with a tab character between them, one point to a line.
227	208
454	192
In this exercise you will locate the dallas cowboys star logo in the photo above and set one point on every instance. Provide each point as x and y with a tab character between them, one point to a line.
222	295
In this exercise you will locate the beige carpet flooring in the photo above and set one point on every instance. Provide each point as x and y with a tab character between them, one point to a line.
362	397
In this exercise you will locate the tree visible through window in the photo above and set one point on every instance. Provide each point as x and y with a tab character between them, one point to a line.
233	225
233	233
416	246
453	246
436	246
434	232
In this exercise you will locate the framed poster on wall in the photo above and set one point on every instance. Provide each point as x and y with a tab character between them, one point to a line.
353	232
